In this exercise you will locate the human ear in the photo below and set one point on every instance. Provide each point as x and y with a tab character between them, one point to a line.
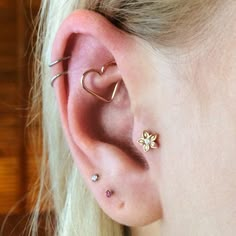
103	136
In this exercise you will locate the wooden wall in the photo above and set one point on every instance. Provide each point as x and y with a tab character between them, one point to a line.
16	162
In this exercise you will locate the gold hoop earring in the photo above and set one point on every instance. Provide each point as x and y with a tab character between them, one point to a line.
100	73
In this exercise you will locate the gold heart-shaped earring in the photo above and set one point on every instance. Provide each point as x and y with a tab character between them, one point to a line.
100	73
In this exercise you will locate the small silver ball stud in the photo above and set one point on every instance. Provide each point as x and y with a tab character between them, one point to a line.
95	178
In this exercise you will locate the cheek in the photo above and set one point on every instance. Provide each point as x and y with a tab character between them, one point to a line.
196	153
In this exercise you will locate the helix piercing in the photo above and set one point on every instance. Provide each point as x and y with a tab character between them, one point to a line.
59	60
95	177
109	193
60	74
148	141
57	76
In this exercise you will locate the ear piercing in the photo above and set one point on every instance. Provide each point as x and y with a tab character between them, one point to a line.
100	73
148	141
60	74
95	177
59	60
84	76
109	192
57	76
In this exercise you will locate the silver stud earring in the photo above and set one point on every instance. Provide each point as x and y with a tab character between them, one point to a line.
95	177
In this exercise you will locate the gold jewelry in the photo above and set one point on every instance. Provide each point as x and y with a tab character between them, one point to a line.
148	141
100	73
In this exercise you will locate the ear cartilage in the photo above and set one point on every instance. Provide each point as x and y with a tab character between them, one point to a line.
100	73
59	74
95	177
148	141
109	193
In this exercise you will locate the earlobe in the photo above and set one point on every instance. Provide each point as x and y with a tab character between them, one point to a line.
98	120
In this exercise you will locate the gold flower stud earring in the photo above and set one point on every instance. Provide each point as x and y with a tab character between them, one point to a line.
148	141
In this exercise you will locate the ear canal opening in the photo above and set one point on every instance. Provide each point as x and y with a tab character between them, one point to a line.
111	123
106	124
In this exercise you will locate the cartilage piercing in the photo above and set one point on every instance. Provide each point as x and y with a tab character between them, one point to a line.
59	60
59	74
100	73
148	140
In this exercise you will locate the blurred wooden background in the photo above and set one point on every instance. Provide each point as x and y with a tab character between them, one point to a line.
17	167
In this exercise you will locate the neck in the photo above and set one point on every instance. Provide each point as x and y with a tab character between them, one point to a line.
198	195
150	230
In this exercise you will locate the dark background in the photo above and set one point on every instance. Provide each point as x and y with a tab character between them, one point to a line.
17	161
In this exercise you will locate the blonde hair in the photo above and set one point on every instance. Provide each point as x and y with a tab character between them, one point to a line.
61	189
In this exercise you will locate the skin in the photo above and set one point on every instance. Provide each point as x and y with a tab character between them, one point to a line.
186	95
